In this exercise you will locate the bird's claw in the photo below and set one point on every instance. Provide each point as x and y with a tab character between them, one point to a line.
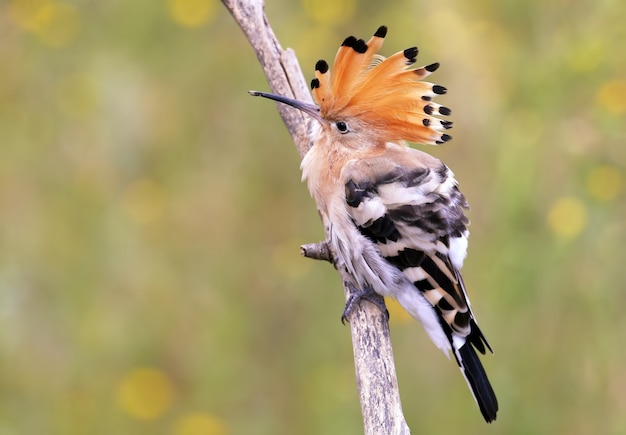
356	295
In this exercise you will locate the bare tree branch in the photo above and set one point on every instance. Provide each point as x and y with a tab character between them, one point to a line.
317	251
373	355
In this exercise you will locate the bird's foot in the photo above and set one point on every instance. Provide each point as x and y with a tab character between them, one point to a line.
356	295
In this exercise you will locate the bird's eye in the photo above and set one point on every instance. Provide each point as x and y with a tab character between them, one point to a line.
342	127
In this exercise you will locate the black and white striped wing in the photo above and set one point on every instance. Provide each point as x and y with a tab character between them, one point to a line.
414	214
415	217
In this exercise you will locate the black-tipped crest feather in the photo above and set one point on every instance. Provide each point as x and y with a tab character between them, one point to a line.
383	93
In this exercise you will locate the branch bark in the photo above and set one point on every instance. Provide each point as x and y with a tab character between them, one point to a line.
373	355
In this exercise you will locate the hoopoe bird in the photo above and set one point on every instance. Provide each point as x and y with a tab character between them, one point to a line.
395	215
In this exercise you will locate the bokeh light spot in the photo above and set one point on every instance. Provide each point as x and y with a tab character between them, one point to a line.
28	14
144	201
604	183
587	56
612	97
54	23
329	12
145	393
191	13
397	314
200	424
567	217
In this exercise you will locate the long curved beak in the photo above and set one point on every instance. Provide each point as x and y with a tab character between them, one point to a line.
308	108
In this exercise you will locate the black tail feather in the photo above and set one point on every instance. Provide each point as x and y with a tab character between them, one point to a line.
479	383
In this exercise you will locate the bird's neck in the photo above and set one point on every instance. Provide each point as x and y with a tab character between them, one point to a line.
321	168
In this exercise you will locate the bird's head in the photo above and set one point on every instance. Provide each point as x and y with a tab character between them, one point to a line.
373	99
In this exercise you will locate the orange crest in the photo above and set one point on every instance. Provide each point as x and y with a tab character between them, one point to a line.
382	92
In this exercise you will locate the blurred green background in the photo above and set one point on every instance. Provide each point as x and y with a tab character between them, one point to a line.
151	215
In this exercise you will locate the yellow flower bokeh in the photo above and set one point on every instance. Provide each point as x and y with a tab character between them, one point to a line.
612	96
329	12
604	183
192	13
567	217
587	56
145	393
144	201
54	23
397	314
200	424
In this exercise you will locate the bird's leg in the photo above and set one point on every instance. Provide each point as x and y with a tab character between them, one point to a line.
356	295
